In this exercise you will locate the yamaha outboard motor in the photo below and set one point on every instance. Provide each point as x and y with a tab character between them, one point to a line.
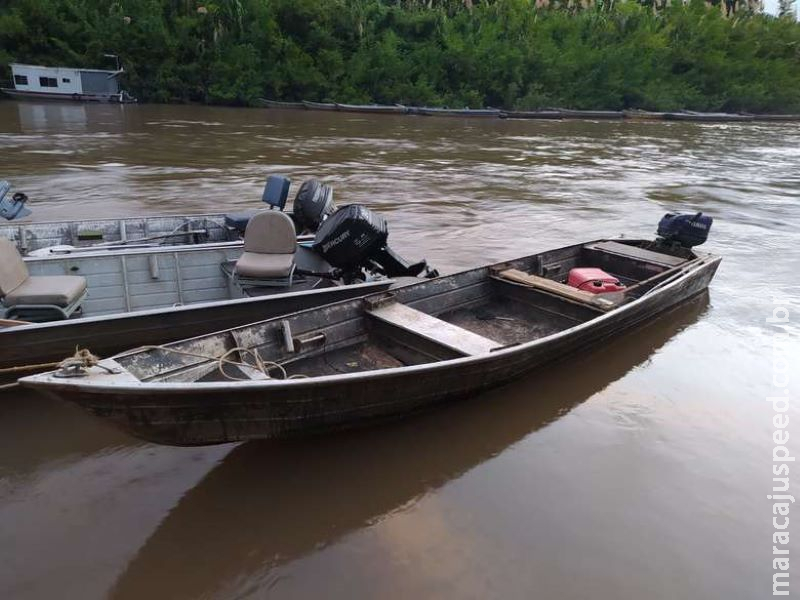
684	230
354	238
312	205
14	207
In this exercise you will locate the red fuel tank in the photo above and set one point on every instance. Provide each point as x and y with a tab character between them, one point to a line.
596	281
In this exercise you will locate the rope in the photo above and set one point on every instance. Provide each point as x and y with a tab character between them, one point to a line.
261	365
82	359
49	365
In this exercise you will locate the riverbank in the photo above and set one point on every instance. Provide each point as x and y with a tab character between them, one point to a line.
515	55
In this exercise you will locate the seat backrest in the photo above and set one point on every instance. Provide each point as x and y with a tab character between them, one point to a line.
13	270
270	232
276	191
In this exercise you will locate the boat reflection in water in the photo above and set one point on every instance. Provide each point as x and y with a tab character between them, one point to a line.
270	502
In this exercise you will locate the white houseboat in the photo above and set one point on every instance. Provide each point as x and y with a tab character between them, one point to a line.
61	83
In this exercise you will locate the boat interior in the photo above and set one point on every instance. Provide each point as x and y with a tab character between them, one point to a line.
78	285
106	235
467	314
77	237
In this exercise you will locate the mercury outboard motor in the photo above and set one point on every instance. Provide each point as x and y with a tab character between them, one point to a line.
684	230
354	238
312	205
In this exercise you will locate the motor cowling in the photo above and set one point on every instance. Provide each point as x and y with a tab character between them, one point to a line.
684	229
354	237
350	236
312	205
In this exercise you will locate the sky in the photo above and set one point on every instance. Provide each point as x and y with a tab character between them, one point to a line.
771	6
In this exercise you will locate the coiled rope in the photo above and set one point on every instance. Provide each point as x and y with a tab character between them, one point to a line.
261	365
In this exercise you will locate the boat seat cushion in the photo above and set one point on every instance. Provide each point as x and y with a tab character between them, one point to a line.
270	232
239	220
270	242
253	264
12	268
58	290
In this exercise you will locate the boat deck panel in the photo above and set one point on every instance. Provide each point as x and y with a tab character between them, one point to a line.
627	251
462	341
364	356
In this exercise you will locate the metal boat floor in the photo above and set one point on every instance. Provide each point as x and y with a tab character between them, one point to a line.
506	321
365	356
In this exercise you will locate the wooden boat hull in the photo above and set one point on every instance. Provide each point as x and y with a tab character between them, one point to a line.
707	117
319	105
562	114
591	114
532	114
213	412
278	104
642	115
380	109
780	118
455	112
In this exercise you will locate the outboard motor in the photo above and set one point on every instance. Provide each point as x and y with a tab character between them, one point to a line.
684	230
14	207
354	238
312	205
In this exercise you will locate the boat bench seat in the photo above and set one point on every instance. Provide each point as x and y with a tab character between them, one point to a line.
456	339
60	295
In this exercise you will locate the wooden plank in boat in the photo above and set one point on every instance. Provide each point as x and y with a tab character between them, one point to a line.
650	256
601	301
419	323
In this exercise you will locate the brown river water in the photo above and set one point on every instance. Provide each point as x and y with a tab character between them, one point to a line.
637	470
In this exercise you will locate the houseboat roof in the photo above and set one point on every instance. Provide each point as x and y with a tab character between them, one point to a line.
109	71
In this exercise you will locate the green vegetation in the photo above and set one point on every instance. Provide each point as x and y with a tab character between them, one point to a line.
505	53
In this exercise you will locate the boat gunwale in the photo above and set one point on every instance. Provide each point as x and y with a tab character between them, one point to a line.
189	307
702	261
131	249
18	224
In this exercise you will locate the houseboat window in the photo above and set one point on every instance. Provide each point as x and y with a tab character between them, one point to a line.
48	82
65	80
21	79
